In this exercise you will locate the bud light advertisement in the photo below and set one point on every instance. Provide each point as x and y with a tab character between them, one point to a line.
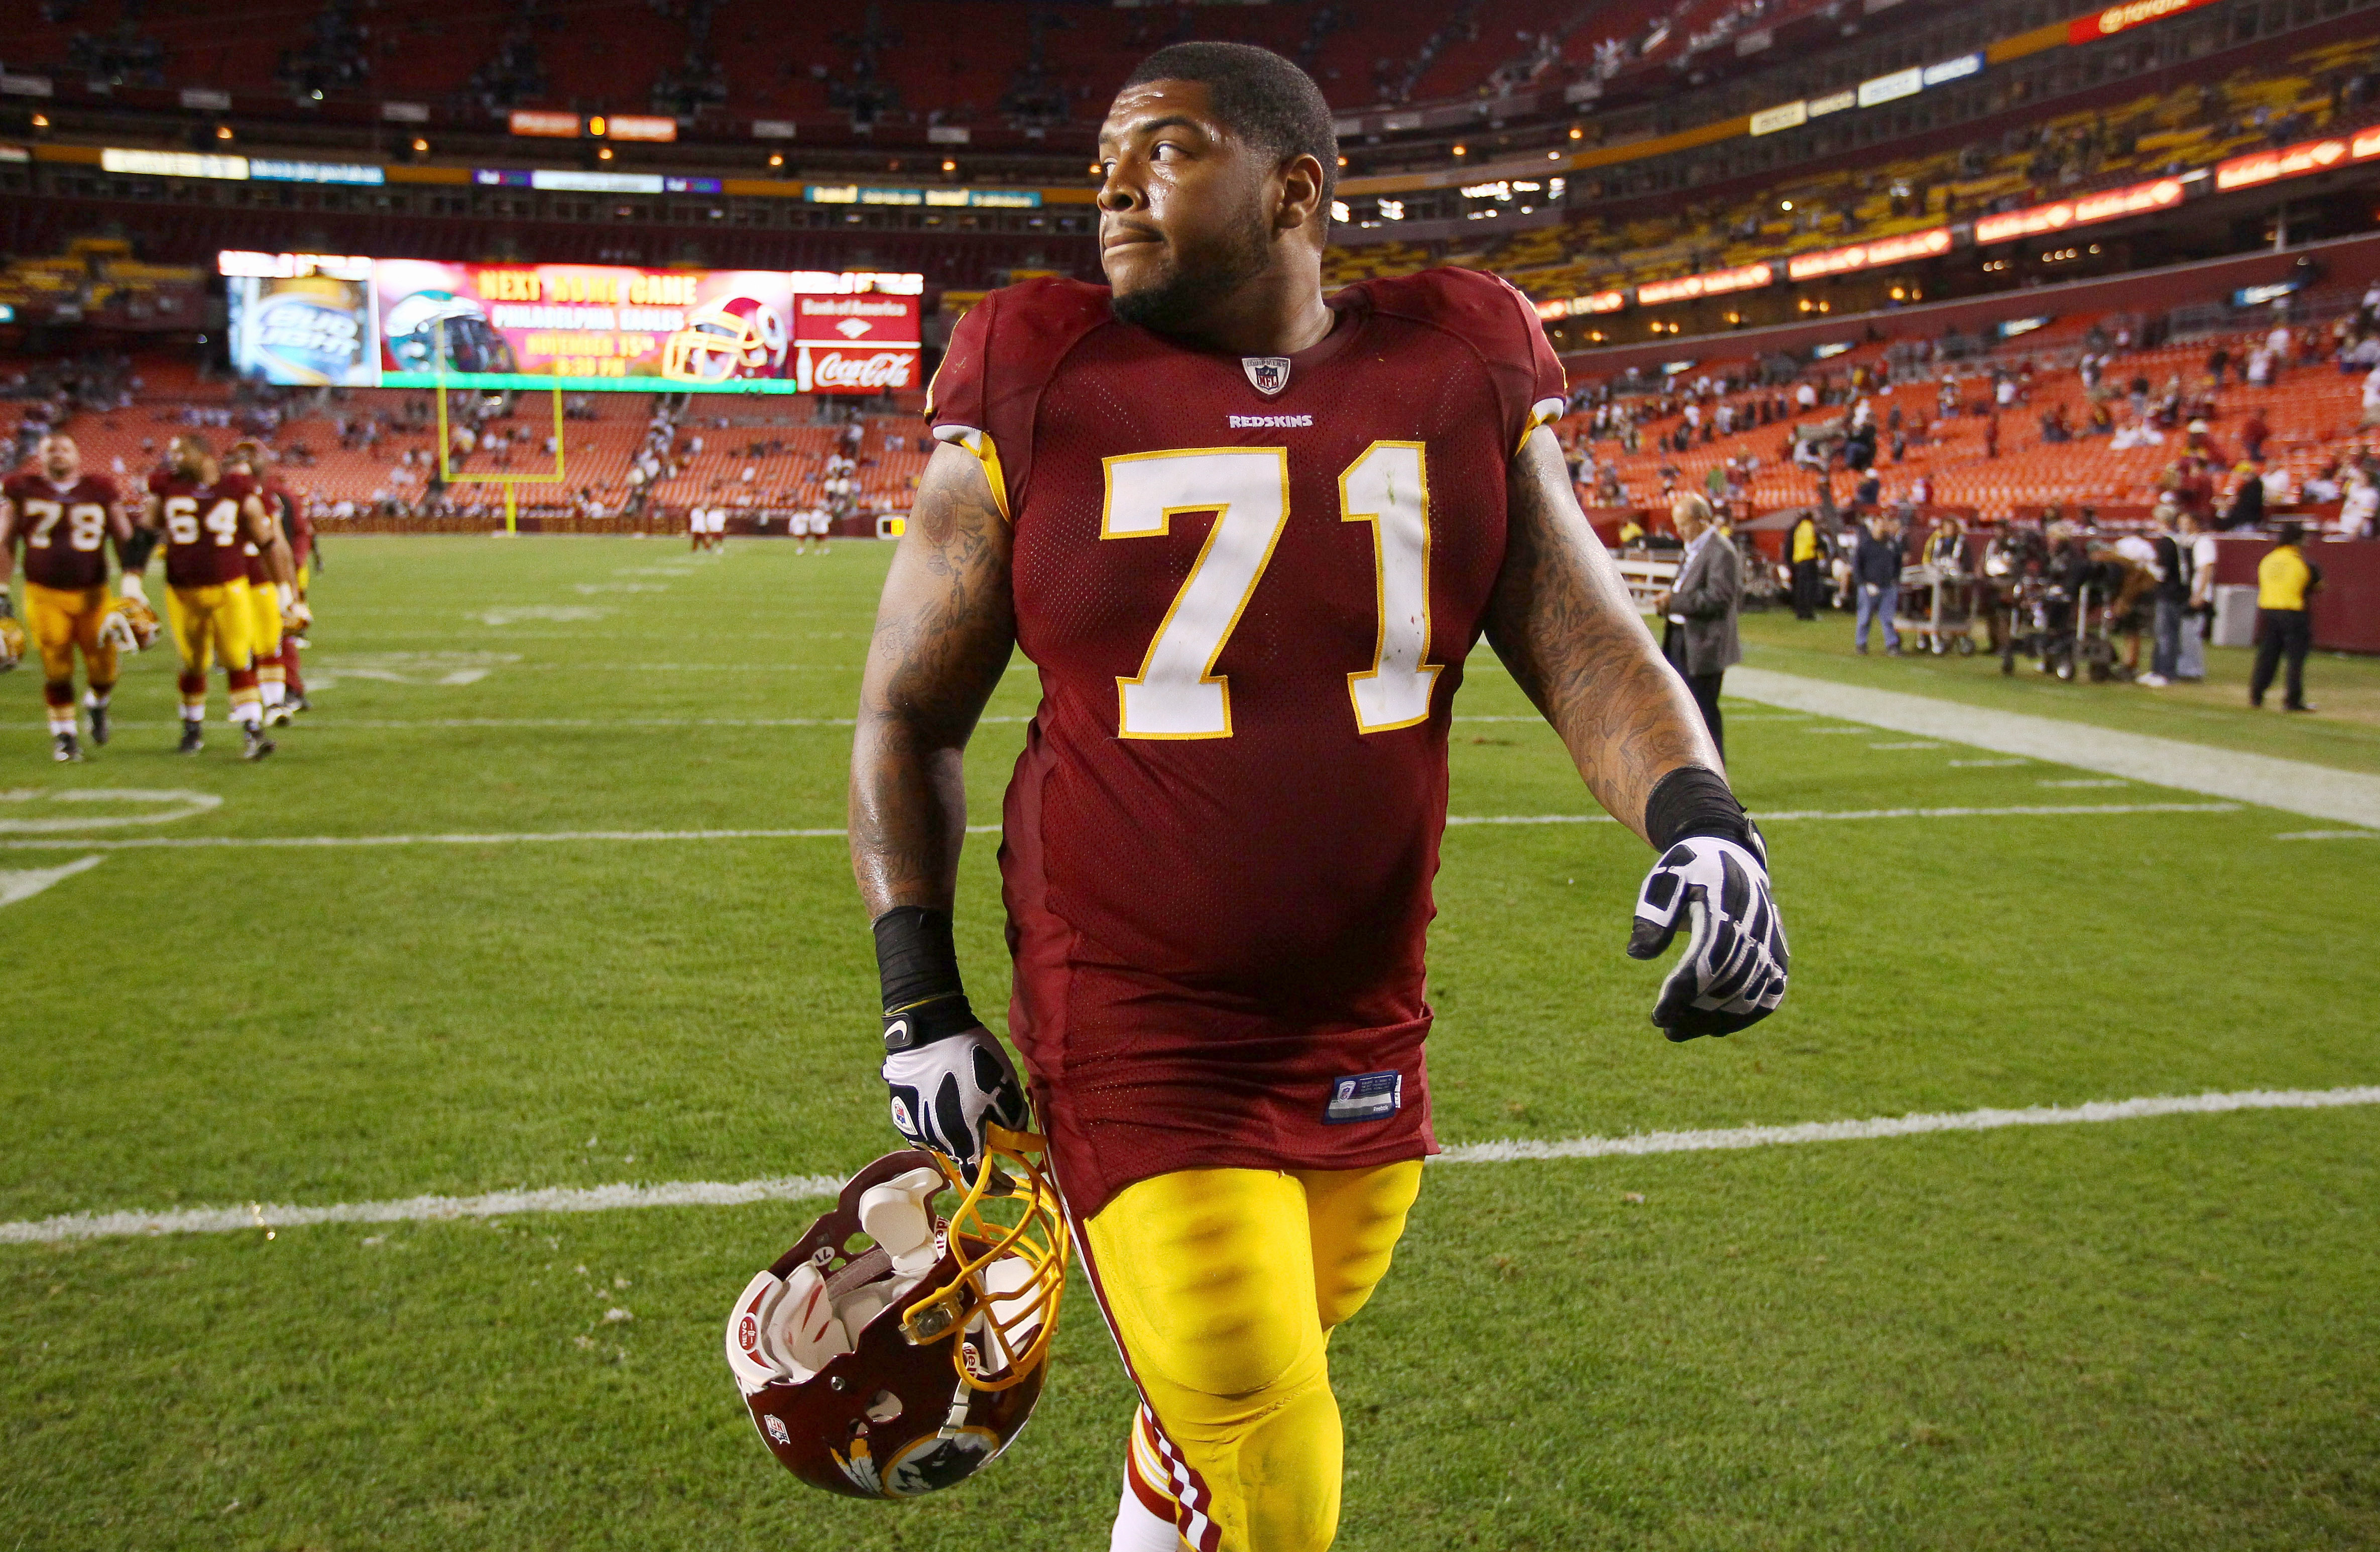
309	330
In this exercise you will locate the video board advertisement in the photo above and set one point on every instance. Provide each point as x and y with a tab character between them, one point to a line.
386	322
305	320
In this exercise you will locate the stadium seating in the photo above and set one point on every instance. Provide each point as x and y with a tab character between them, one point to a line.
2312	411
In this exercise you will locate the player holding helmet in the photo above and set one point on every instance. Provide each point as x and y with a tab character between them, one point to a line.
208	516
64	519
274	609
1249	536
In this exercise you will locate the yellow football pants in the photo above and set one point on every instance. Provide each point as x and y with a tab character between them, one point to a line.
62	620
264	619
212	624
1222	1286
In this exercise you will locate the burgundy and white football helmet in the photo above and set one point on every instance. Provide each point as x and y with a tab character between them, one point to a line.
735	336
892	1352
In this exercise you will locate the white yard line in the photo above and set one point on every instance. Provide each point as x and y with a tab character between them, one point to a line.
805	1188
2295	786
184	843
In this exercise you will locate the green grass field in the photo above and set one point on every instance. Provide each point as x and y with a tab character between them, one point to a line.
2148	1334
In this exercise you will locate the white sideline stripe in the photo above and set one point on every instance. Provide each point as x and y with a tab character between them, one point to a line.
417	1209
2329	835
186	843
2318	791
806	1187
1910	1126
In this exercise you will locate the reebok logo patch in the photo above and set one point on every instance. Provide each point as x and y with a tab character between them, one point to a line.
1367	1096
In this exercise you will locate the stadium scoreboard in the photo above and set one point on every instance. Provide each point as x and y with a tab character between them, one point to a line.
314	319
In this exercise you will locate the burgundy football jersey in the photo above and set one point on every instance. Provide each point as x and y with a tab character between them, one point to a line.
63	530
1249	585
205	539
278	504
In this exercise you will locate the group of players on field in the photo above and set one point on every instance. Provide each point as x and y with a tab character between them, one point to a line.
238	549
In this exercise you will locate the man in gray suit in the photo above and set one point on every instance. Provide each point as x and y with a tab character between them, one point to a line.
1699	637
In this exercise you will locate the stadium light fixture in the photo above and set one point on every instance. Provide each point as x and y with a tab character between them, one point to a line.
1342	161
949	165
604	155
421	147
596	125
1785	205
776	158
1577	132
1462	151
222	131
41	121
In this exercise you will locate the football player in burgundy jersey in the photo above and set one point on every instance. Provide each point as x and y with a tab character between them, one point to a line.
1248	535
64	518
271	604
208	515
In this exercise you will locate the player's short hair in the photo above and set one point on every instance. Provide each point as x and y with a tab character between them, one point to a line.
1259	96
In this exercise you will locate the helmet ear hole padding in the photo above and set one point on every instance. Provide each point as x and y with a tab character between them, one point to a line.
896	1216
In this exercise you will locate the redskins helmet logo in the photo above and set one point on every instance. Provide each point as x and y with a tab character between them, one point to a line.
740	337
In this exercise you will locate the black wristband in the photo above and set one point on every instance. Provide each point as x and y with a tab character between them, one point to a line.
918	965
133	553
1694	800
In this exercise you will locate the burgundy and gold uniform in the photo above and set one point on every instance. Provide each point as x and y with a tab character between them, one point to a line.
64	533
264	595
289	509
1250	586
206	578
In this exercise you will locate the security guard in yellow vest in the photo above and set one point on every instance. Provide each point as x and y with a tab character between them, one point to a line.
2285	580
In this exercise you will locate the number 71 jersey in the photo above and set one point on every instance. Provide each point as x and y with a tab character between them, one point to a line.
1249	585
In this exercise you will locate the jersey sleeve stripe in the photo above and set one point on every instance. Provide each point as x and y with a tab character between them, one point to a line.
987	453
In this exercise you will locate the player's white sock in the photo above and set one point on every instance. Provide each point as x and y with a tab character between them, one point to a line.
195	713
1140	1530
272	691
96	699
62	724
248	714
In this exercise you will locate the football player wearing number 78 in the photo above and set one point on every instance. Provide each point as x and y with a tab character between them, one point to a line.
64	519
1249	536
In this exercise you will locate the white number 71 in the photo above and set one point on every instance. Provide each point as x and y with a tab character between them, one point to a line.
1177	694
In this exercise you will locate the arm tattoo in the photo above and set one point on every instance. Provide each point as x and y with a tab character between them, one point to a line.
1561	620
944	630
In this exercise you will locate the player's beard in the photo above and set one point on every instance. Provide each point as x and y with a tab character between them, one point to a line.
1178	302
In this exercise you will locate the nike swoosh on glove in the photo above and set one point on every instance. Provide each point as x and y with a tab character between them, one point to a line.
1732	974
942	1093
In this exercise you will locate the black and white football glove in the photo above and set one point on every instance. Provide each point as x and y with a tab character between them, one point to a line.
944	1092
1732	974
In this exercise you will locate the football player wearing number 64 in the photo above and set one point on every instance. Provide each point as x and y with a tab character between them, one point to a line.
209	517
1248	535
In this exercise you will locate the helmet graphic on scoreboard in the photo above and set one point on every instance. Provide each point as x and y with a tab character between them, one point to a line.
414	326
736	336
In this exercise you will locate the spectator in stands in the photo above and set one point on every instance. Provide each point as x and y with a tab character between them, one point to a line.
2372	397
1875	577
2276	343
1699	609
2253	435
2286	582
2359	510
2247	509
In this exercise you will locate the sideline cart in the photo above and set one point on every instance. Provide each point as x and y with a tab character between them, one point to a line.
1946	599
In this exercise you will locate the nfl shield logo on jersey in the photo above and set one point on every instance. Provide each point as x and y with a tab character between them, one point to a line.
1268	374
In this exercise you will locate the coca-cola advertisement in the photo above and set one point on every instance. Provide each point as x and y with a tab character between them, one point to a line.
862	344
